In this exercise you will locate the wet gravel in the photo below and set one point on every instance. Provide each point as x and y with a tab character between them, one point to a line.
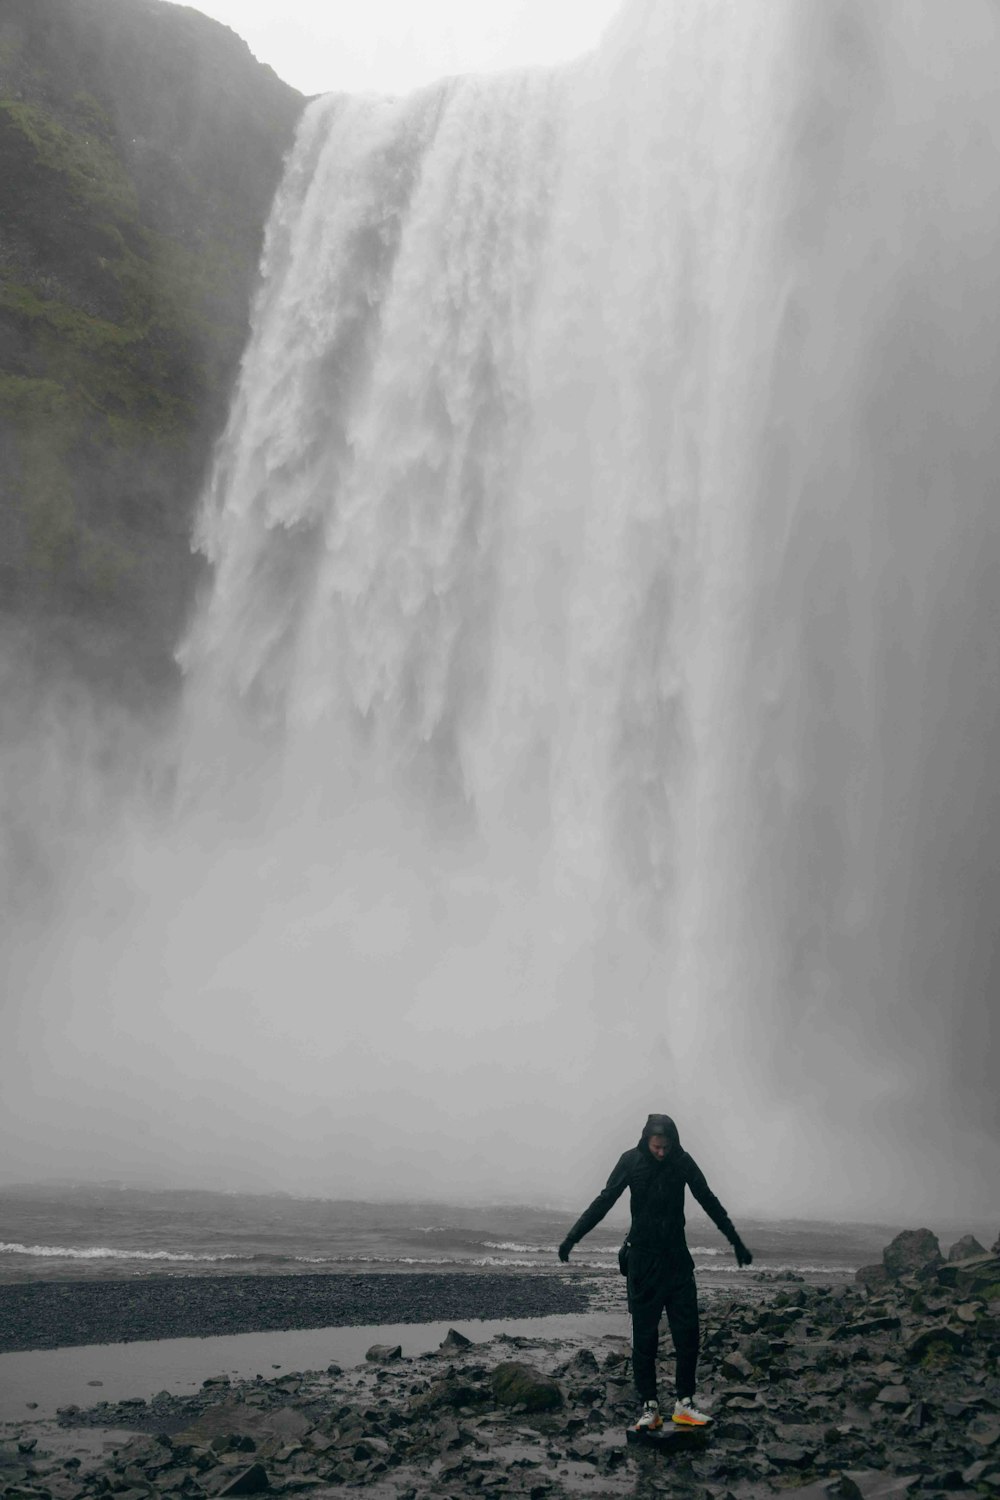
47	1315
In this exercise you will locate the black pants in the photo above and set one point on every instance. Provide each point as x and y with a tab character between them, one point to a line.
656	1286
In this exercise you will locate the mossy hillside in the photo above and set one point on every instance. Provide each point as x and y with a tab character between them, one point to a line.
124	287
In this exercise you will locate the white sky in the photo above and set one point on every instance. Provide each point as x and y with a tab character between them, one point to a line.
392	46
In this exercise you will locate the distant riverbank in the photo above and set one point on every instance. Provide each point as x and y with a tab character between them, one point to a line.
52	1315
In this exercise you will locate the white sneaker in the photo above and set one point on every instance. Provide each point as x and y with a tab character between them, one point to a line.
686	1414
649	1418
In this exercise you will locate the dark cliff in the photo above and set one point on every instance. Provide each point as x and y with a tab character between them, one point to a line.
140	147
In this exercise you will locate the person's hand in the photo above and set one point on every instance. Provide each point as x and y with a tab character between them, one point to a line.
564	1250
743	1256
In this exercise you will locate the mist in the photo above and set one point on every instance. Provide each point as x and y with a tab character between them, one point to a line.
594	707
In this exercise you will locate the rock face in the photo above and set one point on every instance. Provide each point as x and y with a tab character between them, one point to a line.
140	147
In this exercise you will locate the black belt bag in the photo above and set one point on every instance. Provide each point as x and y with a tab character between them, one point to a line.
623	1258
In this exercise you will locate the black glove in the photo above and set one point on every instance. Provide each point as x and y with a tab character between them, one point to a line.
564	1250
743	1255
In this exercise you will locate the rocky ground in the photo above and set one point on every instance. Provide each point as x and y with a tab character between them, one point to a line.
885	1388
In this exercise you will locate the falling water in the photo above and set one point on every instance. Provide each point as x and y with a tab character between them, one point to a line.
593	705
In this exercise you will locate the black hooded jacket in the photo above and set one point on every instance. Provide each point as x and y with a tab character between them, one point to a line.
657	1197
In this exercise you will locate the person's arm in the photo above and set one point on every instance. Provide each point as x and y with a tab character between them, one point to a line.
602	1204
695	1179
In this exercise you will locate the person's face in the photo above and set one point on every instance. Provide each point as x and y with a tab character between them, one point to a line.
658	1146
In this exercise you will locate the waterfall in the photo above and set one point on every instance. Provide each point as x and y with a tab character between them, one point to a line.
591	710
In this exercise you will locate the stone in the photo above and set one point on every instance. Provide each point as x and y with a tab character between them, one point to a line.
788	1456
736	1367
978	1275
965	1248
384	1354
938	1337
870	1484
252	1481
454	1340
872	1277
517	1384
914	1251
583	1362
984	1431
896	1397
866	1326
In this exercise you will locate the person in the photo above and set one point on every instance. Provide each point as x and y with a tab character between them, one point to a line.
660	1268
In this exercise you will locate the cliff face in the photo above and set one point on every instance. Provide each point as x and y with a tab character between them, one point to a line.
140	147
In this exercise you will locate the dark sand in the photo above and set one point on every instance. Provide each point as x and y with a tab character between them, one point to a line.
54	1315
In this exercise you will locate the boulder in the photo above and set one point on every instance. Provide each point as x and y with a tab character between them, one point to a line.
913	1252
517	1384
965	1248
383	1354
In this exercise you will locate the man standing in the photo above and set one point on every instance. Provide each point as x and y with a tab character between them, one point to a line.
660	1268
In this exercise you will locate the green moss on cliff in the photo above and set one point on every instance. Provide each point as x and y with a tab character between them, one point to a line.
140	145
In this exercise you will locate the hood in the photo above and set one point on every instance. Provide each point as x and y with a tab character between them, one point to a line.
661	1125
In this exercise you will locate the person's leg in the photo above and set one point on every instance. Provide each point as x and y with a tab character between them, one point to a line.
645	1302
682	1316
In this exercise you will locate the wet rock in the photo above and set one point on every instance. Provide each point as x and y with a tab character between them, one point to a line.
516	1384
251	1481
965	1248
895	1397
383	1354
448	1392
788	1455
984	1431
873	1277
869	1484
978	1275
913	1252
453	1340
582	1364
938	1338
864	1326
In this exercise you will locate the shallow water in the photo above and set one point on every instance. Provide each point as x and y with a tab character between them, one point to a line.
114	1372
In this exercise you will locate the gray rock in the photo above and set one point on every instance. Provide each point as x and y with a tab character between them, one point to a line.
788	1455
984	1431
454	1340
736	1367
896	1397
941	1336
516	1384
384	1354
965	1248
870	1484
914	1252
980	1275
872	1277
251	1481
